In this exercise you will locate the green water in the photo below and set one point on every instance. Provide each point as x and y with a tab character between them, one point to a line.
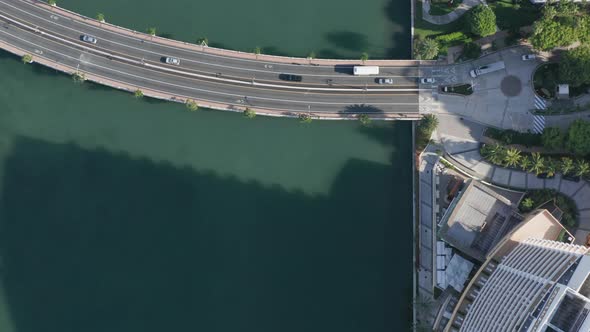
126	215
330	28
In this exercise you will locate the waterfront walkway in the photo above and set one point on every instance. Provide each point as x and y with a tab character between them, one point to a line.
450	17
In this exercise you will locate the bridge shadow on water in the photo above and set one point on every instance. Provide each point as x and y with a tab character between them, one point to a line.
96	241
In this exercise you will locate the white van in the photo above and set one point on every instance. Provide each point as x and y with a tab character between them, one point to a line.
487	69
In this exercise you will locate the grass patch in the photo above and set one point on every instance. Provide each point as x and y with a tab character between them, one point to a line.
512	15
566	204
545	80
424	29
508	137
443	7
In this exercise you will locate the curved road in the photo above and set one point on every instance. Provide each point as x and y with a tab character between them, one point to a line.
131	60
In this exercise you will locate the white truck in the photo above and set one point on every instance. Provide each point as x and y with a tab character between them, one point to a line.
487	69
365	70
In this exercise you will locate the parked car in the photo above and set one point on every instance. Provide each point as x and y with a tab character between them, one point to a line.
88	39
527	57
172	60
427	80
384	81
290	77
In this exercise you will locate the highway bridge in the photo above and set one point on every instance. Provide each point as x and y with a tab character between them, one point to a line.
214	78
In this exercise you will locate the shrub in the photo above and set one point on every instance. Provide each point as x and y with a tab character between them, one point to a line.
471	50
552	138
578	138
481	21
574	67
425	49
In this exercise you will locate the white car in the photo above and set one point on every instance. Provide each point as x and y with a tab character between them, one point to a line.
172	61
89	39
527	57
384	81
427	80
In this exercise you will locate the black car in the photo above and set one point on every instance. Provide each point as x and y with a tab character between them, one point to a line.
290	77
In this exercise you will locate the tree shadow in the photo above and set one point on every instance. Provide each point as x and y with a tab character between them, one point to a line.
348	40
362	109
95	241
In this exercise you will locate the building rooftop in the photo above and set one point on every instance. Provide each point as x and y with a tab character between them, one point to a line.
482	216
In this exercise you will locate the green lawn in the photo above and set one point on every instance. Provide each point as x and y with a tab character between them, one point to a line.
424	29
443	8
511	16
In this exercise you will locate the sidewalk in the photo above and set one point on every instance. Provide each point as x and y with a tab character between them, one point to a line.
450	17
462	148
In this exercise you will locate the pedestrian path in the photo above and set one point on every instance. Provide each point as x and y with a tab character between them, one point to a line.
538	124
450	17
540	103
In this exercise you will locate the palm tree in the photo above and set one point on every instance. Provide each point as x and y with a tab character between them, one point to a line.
582	168
495	153
365	119
567	165
250	114
538	163
311	55
512	157
204	41
305	118
550	167
52	2
78	77
151	31
27	58
100	17
364	56
192	105
257	51
138	93
525	163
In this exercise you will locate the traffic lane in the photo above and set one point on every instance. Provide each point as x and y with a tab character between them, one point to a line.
349	81
237	96
144	48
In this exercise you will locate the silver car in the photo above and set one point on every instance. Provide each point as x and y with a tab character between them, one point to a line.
89	39
527	57
428	80
385	81
172	61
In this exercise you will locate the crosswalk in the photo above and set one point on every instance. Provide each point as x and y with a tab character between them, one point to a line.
538	124
540	103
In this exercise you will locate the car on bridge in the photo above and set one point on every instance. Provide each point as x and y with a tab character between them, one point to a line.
171	60
88	39
384	80
290	77
427	80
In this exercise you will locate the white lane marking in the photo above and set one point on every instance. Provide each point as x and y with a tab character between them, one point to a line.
176	48
182	86
205	76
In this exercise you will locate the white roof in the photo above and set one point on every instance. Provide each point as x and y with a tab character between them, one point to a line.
563	89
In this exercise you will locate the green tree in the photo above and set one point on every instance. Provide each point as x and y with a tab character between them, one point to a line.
527	204
365	119
582	168
364	56
305	118
494	153
78	77
566	165
471	50
203	41
138	94
100	17
425	48
537	164
427	125
578	138
574	67
27	58
250	114
512	157
525	163
311	55
192	105
151	31
552	138
257	50
481	21
551	33
52	2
